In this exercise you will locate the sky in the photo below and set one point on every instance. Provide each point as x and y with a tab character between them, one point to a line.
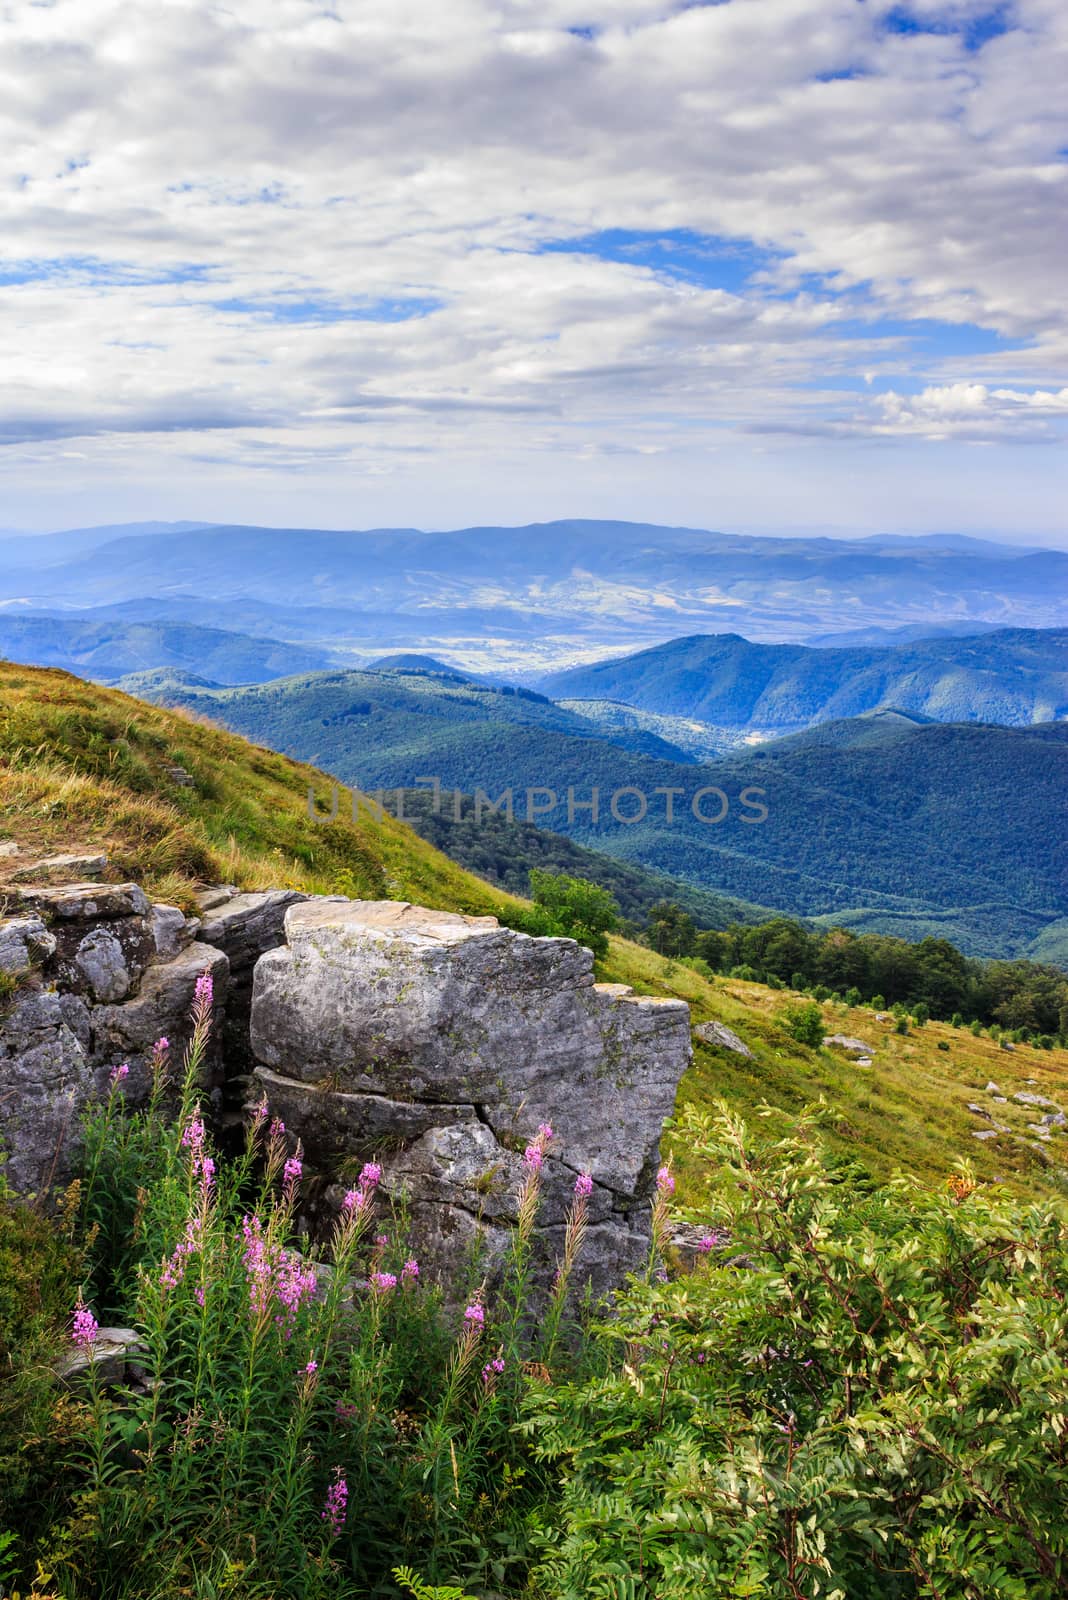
764	265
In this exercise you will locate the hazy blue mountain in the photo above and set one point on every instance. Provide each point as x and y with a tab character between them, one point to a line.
106	651
1013	676
889	816
42	550
576	580
909	633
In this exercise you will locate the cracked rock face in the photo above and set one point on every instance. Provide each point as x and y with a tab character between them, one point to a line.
439	1043
101	975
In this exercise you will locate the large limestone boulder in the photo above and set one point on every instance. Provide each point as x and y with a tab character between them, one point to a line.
440	1042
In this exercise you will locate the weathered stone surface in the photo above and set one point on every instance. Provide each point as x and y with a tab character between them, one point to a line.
24	941
87	902
851	1045
725	1038
1026	1098
244	927
61	868
171	929
45	1076
114	1355
127	1032
97	994
441	1042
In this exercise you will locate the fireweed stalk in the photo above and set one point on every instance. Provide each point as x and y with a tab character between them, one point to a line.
661	1218
516	1288
575	1229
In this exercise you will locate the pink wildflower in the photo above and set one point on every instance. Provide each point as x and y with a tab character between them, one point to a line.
198	1296
492	1370
118	1074
475	1316
545	1132
355	1200
85	1328
204	992
371	1175
410	1271
337	1499
532	1157
345	1411
161	1047
383	1281
277	1129
583	1186
291	1171
311	1369
665	1183
193	1135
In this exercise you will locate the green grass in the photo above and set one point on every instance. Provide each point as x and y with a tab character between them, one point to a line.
86	766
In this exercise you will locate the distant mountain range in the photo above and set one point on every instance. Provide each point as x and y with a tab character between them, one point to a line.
1012	676
110	650
572	586
886	820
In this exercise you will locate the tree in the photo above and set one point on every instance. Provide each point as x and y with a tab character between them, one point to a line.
671	929
577	908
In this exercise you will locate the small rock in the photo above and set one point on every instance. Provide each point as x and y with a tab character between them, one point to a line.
168	931
180	776
882	1016
846	1042
61	867
108	1354
8	849
999	1099
863	1061
992	1088
1027	1099
1054	1119
725	1038
985	1133
88	902
101	961
23	941
211	899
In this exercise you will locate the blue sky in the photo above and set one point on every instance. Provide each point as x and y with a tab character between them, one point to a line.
769	264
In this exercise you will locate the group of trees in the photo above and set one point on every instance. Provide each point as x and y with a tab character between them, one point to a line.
933	974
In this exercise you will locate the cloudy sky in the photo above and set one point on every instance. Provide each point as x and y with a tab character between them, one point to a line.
760	264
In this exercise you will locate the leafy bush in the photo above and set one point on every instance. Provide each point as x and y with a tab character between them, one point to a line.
857	1394
575	907
804	1023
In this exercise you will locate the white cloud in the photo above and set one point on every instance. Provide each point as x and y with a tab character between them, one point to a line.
197	170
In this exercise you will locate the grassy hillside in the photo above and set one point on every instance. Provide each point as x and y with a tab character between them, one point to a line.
82	765
1014	676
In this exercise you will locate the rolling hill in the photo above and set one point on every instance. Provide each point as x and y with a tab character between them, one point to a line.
86	766
109	650
952	826
1012	676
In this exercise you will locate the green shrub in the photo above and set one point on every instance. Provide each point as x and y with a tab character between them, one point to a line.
575	907
858	1392
901	1025
943	1044
804	1023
